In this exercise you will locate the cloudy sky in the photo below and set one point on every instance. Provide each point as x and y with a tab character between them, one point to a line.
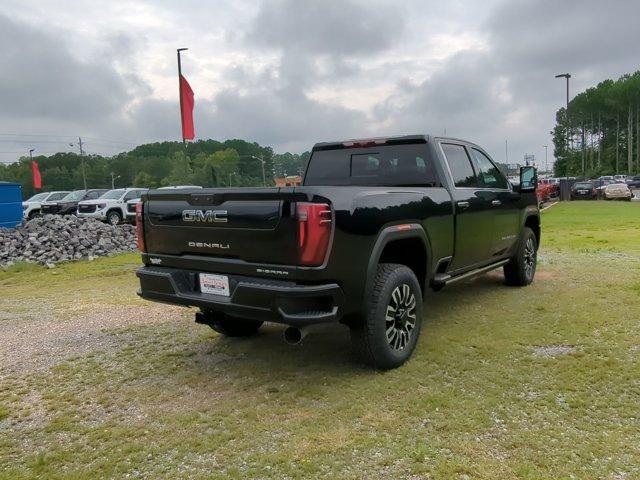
288	73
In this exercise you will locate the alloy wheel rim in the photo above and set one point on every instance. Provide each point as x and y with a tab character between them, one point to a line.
400	319
529	258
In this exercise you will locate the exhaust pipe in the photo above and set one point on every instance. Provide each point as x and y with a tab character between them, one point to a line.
294	335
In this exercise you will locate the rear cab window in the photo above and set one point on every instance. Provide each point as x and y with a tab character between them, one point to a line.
383	165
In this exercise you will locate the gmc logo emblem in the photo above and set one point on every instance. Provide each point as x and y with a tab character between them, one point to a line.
204	216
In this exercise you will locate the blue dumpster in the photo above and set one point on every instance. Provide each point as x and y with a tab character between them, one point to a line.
10	204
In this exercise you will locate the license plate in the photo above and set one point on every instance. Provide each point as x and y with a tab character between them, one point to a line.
583	191
214	284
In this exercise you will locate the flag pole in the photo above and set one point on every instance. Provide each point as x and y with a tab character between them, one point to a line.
180	93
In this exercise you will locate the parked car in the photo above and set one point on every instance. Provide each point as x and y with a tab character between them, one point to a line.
633	182
111	207
584	191
374	225
131	204
543	192
32	206
620	178
553	188
600	185
68	205
616	191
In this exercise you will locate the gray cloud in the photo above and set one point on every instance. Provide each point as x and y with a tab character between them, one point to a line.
332	27
288	73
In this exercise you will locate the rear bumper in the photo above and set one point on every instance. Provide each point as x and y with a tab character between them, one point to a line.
254	298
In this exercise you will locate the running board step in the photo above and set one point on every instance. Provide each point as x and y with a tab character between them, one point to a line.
445	279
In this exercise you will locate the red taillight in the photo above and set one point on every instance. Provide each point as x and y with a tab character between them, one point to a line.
139	231
314	232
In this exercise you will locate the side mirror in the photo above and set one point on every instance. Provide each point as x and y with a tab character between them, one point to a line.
528	179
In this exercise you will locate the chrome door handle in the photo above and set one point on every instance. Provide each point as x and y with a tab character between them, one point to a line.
463	204
496	202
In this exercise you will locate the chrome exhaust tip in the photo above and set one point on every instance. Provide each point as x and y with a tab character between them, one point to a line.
294	335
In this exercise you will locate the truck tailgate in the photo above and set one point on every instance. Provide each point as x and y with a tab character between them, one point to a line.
254	225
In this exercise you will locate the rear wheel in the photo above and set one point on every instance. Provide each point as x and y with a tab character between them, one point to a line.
388	335
522	267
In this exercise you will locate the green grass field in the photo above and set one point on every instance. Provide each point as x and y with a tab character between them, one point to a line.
535	383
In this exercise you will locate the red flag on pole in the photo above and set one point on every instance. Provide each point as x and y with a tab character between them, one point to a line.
186	104
37	179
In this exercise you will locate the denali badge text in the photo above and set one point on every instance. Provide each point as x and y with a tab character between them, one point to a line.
222	246
204	216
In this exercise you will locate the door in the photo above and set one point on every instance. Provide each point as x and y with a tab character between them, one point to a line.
505	203
473	210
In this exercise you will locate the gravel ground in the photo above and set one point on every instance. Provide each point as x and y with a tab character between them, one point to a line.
41	340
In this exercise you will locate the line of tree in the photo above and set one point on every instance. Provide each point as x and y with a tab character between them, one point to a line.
601	135
208	163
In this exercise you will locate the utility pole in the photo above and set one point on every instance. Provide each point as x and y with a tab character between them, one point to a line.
84	175
184	142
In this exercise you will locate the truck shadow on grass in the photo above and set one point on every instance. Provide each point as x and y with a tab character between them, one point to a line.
327	347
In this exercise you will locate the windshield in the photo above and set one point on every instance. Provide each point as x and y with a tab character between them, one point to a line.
113	194
583	185
38	197
74	196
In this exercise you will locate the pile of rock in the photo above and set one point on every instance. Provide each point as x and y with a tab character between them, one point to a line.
53	239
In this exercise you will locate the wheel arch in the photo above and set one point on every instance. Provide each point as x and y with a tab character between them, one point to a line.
533	222
406	244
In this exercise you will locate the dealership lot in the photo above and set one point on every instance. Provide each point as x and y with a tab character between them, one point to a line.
507	383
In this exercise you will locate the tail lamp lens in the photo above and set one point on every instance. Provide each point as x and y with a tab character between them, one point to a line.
314	232
139	228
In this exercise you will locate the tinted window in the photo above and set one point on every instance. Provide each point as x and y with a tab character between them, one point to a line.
583	185
57	196
488	174
381	165
460	165
92	195
113	194
131	195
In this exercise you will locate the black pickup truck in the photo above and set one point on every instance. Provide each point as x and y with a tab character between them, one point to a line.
374	225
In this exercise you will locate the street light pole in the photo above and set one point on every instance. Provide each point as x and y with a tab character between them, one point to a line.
114	177
546	166
261	159
567	76
31	155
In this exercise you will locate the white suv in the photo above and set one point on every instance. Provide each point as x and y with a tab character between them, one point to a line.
31	207
110	207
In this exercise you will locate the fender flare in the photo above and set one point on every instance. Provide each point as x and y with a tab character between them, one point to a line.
390	234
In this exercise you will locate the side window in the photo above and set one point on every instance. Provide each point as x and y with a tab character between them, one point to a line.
57	196
92	195
130	195
460	165
488	174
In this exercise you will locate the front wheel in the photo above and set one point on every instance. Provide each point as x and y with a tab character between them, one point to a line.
114	217
522	267
388	334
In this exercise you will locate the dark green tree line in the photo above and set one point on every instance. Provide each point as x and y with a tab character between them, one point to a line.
601	134
208	163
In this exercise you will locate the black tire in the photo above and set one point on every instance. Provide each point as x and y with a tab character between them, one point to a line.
388	334
522	267
33	214
234	326
114	217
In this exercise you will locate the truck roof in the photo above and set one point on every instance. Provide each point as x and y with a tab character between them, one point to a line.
393	140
